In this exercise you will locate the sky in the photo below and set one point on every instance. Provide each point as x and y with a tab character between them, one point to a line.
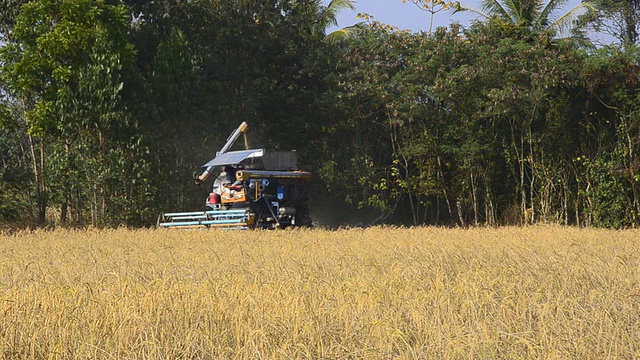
408	16
403	16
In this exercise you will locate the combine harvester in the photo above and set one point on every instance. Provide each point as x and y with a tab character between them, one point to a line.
253	189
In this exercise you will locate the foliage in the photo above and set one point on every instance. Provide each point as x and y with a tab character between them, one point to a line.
15	178
619	19
107	110
63	66
613	75
536	15
328	16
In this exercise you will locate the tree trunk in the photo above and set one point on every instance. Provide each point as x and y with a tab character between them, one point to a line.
523	190
474	195
460	214
532	177
38	173
67	188
444	189
519	153
488	202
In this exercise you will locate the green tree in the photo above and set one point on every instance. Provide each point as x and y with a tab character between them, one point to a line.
619	19
63	66
535	15
208	65
388	137
15	178
327	16
469	129
610	181
517	91
9	10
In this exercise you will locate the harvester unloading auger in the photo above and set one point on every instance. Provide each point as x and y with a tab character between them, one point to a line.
254	188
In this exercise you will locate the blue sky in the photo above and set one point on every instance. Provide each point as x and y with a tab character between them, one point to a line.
408	16
404	16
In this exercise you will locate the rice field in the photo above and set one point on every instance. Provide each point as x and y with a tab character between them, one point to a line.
378	293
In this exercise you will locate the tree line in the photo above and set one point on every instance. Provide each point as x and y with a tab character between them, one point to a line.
108	107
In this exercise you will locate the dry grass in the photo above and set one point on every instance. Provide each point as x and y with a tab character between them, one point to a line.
424	293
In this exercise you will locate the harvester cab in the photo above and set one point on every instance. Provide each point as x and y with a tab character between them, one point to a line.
253	188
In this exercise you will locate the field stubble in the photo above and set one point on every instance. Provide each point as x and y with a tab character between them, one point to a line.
378	293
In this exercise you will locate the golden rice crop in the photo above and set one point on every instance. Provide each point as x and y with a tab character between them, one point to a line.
377	293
